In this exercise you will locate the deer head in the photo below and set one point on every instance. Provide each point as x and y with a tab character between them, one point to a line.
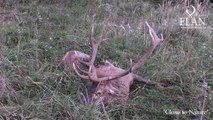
110	83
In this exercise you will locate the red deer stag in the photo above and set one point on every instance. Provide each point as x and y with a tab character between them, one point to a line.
109	83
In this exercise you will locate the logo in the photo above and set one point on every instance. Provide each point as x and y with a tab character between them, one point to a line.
193	20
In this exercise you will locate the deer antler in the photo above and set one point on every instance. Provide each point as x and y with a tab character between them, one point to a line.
118	80
92	73
155	41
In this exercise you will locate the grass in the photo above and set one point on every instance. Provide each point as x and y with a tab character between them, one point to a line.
34	36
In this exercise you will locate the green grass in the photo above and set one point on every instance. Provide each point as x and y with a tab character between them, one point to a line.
34	36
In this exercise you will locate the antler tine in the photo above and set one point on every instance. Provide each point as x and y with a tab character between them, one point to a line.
153	35
96	45
92	37
76	71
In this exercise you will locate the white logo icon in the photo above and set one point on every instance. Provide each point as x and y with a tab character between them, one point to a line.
193	12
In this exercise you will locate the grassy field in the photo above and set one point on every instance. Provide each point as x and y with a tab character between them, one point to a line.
35	35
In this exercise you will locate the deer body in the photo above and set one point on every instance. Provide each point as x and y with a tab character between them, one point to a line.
106	91
116	90
109	83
